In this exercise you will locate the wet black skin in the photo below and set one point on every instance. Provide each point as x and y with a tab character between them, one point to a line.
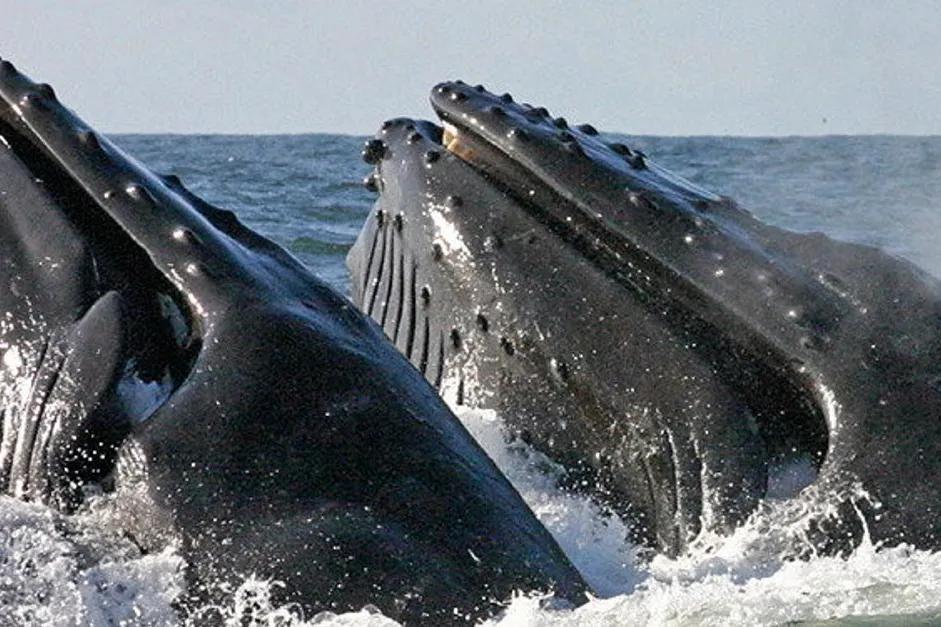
656	339
283	436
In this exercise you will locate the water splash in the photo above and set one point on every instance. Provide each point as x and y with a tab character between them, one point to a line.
78	570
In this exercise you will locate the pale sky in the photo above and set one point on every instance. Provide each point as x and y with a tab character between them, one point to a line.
654	67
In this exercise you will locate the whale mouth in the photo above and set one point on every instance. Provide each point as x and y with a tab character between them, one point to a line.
453	141
107	259
621	209
96	337
492	175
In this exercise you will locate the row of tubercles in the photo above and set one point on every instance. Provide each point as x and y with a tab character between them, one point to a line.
41	96
634	158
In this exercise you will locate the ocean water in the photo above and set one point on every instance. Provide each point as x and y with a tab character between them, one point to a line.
305	192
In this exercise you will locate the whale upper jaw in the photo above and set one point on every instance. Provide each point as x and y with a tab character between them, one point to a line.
96	335
117	279
825	344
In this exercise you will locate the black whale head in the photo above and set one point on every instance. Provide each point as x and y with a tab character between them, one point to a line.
240	405
481	295
646	330
115	278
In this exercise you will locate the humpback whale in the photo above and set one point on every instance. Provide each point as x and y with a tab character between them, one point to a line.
670	350
232	403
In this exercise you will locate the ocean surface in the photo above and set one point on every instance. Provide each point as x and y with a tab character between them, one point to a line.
305	192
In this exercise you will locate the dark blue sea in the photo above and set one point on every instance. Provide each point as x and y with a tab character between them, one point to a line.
305	192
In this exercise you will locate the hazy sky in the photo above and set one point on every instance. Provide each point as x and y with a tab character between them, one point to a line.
653	67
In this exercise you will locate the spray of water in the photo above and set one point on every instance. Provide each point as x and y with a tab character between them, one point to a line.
67	570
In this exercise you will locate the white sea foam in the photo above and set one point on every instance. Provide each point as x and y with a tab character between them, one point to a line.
76	570
64	571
